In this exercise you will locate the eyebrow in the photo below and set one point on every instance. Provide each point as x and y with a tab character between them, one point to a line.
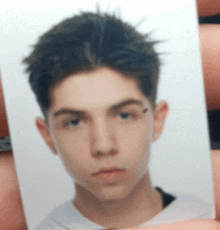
64	111
130	101
126	102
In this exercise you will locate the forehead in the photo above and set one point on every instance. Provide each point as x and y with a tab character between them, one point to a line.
97	89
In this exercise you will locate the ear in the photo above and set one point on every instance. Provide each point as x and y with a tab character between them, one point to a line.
43	128
160	114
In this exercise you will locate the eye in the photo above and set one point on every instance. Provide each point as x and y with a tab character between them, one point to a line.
73	123
126	116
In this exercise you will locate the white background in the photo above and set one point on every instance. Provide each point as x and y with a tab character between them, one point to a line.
180	160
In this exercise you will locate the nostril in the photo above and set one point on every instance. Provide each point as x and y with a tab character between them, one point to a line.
113	152
105	153
98	154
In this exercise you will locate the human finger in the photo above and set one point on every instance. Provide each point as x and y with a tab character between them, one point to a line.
11	208
3	120
208	7
210	48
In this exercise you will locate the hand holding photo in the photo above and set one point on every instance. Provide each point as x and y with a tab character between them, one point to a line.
95	77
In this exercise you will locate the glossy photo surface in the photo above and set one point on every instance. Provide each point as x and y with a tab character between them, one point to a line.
103	138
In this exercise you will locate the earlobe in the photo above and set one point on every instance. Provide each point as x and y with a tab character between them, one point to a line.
160	115
43	128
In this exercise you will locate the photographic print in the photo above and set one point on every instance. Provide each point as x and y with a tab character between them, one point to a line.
107	114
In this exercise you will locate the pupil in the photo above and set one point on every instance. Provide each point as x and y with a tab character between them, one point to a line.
75	122
124	115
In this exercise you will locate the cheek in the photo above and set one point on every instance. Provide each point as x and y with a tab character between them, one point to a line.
135	142
73	150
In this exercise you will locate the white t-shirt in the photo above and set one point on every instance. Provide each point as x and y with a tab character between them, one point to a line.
184	207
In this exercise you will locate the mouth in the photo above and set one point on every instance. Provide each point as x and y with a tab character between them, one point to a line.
110	174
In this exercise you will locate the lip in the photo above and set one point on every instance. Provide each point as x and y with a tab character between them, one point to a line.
110	174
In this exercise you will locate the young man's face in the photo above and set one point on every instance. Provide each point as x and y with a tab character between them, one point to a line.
102	125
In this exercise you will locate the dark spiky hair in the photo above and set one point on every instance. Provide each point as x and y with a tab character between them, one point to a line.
88	41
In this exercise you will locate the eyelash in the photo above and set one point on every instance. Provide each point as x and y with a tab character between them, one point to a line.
69	123
129	115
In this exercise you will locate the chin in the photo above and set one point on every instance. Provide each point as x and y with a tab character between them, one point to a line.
113	194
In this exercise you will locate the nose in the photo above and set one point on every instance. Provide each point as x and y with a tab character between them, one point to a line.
103	142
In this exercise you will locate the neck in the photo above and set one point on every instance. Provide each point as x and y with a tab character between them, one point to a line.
143	203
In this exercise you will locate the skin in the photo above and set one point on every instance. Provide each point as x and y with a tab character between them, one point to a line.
3	119
208	7
209	36
184	225
216	180
111	131
11	209
7	169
